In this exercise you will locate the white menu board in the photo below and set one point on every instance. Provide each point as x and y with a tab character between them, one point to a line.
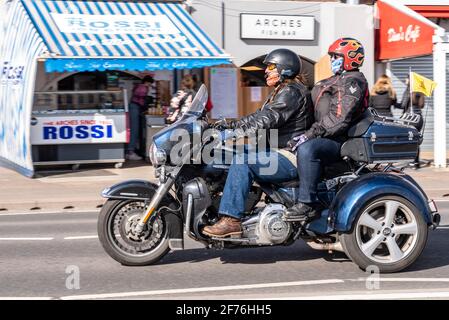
224	92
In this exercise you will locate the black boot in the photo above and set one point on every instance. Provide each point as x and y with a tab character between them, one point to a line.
303	212
415	165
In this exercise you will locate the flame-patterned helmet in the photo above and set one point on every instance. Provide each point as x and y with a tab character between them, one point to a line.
351	50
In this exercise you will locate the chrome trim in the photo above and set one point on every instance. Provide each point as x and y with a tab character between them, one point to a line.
432	206
189	214
128	194
336	246
160	193
176	244
105	192
125	198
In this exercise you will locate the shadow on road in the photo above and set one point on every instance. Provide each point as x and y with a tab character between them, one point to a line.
435	254
264	255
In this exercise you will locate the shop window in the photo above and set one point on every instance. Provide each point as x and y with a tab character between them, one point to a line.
94	81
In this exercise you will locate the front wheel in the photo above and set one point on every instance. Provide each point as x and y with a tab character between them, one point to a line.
116	224
389	233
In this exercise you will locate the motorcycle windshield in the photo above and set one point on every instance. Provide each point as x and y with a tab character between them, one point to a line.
198	104
187	120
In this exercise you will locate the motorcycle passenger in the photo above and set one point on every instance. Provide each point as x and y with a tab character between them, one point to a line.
338	101
288	109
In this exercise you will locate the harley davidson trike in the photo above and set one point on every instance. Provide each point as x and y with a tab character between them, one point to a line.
375	213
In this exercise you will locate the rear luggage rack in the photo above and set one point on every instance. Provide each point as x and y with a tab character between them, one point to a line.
409	119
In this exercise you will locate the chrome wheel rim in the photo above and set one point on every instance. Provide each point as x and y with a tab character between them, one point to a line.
121	225
387	231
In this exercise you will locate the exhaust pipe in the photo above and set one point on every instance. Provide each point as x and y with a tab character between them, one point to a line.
330	247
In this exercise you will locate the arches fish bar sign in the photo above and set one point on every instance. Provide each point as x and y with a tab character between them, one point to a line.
402	32
284	27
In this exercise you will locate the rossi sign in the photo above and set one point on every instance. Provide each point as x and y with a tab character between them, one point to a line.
114	24
256	26
78	129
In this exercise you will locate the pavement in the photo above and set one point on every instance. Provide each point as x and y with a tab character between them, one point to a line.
63	189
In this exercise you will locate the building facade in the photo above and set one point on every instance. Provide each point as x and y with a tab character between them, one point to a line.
248	29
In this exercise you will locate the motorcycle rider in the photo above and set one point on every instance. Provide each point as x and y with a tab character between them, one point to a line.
338	101
288	109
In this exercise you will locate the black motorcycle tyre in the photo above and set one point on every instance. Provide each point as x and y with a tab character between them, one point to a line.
352	250
153	256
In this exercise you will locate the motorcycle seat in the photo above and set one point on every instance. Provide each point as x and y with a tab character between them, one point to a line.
329	172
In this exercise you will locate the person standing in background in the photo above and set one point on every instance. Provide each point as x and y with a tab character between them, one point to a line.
418	102
182	100
136	107
198	83
383	96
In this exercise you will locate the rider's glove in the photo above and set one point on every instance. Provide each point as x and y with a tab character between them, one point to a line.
294	143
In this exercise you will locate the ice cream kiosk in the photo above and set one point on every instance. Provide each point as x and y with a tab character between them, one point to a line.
66	68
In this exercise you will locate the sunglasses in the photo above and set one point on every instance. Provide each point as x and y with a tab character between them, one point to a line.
271	67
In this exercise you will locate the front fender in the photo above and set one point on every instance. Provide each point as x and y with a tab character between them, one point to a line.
131	189
145	190
351	199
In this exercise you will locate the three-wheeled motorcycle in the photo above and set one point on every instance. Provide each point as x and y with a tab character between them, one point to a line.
375	213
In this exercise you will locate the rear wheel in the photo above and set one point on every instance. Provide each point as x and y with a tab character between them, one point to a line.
389	233
116	225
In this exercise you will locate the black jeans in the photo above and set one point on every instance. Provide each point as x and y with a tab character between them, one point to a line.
312	155
419	128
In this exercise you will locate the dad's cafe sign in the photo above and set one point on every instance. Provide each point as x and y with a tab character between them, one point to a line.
402	32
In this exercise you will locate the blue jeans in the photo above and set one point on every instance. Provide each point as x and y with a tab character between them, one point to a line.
312	155
269	166
134	126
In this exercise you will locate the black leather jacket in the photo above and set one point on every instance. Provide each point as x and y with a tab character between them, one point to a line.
382	103
418	101
339	101
289	109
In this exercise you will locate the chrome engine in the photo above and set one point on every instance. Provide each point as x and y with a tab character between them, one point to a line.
267	227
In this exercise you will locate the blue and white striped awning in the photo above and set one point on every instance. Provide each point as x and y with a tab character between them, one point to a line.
100	35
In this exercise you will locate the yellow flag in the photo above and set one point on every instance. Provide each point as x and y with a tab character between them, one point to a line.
422	84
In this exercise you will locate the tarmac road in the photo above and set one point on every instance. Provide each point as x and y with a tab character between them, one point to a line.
58	256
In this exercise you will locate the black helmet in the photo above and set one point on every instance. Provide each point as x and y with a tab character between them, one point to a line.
286	61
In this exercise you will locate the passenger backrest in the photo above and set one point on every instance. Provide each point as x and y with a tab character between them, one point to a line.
362	125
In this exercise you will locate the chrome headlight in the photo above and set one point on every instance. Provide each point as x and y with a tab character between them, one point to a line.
157	156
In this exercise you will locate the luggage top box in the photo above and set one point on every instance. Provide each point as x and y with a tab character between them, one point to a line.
377	139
